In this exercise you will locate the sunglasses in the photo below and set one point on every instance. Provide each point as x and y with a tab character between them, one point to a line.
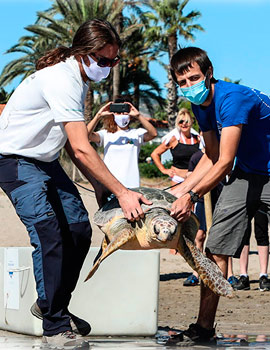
182	121
106	62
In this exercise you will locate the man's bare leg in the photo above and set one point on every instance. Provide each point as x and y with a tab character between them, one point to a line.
209	300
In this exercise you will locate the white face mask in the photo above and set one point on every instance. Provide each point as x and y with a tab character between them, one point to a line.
95	72
122	120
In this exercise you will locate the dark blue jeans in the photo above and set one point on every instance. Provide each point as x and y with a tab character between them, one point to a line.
50	207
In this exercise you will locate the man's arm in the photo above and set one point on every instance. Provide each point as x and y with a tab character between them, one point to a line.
85	153
207	176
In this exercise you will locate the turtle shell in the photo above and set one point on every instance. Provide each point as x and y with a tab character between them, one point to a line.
159	199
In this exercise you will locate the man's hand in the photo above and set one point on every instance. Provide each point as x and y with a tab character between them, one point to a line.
130	204
181	208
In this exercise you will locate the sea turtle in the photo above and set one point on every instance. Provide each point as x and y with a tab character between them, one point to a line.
156	230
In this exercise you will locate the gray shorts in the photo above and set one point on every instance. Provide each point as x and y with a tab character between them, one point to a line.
239	200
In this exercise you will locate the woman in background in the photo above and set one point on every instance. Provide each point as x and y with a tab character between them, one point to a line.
183	143
121	143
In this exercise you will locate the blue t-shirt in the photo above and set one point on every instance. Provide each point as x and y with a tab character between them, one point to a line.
235	104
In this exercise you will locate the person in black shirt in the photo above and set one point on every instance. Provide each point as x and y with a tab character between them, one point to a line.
182	143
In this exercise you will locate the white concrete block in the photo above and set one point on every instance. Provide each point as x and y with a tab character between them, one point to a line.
120	299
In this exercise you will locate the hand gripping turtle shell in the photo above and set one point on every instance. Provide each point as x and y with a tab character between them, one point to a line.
156	230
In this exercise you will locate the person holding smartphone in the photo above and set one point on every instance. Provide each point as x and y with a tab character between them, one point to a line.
121	143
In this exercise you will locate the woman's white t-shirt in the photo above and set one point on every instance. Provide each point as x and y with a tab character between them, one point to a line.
121	152
31	124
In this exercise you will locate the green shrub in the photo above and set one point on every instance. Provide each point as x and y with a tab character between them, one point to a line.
146	151
150	170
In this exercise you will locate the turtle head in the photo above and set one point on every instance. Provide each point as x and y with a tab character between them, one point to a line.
163	227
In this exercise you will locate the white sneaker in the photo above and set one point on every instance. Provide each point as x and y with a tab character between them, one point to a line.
64	339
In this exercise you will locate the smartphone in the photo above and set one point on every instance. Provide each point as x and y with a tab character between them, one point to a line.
119	107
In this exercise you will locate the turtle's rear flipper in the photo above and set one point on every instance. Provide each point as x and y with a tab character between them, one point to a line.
209	272
117	242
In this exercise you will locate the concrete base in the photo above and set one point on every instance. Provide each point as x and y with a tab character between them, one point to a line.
120	299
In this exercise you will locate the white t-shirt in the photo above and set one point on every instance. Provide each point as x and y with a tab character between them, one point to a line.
31	124
121	152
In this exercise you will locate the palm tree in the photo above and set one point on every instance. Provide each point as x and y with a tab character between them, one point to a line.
33	47
4	95
229	80
57	25
167	24
135	74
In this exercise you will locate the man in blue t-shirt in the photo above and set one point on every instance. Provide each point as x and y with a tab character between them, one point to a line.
235	121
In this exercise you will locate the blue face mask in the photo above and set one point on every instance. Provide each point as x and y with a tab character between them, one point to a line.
196	93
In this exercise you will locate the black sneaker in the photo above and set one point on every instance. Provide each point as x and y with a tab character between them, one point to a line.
78	325
233	280
199	334
191	281
264	283
243	284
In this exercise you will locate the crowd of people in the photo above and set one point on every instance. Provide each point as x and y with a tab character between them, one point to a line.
34	130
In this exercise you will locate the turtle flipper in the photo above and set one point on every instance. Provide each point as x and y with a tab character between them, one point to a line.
188	229
209	272
117	242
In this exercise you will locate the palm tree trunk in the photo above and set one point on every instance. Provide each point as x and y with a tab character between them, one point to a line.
116	69
172	97
136	96
116	81
88	105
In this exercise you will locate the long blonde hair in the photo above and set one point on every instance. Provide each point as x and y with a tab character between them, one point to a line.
183	114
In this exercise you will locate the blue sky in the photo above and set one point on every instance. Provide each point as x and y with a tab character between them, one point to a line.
236	36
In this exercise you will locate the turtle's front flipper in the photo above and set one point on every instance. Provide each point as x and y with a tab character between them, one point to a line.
117	242
103	246
209	272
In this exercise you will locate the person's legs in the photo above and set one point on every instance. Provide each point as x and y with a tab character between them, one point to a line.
209	300
263	252
243	261
193	279
76	229
231	278
226	236
230	266
262	238
30	189
199	241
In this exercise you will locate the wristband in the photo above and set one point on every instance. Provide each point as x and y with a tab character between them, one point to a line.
194	197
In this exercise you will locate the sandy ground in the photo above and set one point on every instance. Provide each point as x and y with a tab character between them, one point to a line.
247	313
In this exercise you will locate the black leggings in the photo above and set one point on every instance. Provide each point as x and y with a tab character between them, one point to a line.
261	228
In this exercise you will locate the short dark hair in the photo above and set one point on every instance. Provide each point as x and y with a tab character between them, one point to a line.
182	60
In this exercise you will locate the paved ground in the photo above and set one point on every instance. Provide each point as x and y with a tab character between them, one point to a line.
15	341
